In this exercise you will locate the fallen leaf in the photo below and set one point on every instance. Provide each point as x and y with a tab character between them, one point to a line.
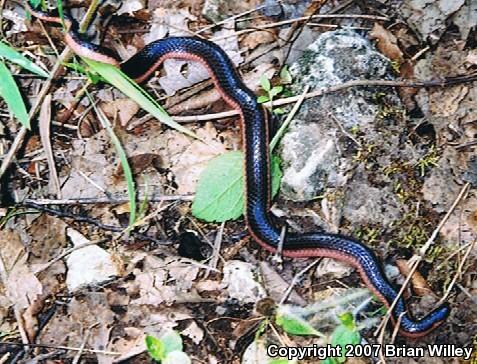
121	109
241	283
194	332
418	282
386	42
445	102
276	286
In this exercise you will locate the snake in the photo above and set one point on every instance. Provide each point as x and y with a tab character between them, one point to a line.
257	189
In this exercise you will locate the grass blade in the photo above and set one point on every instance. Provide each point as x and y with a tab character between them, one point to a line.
124	164
11	94
126	85
14	56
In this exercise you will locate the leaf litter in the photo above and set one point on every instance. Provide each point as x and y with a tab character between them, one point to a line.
154	288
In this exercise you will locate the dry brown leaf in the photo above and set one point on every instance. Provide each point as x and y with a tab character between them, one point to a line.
21	287
194	332
445	102
187	158
276	286
419	283
48	237
164	280
253	40
44	126
121	109
139	163
386	42
472	57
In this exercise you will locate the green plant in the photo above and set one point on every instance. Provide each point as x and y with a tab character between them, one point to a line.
9	90
219	195
128	176
167	349
131	89
428	161
346	333
271	92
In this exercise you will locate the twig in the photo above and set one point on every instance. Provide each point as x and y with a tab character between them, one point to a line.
214	260
288	119
77	357
289	21
354	83
417	258
295	279
458	273
62	347
430	241
63	58
107	200
229	19
64	254
91	221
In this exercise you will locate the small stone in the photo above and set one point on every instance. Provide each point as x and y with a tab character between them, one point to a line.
89	265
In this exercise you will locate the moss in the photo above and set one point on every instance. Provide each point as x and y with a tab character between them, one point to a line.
428	161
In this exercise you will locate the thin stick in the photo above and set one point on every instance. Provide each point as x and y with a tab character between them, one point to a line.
64	254
354	83
45	137
458	273
417	258
94	200
289	118
289	21
18	141
295	279
62	347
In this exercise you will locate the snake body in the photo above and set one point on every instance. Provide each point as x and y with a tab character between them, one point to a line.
257	166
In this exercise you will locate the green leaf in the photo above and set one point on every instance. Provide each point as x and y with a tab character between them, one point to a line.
285	75
35	3
176	357
278	361
121	81
294	324
15	57
59	5
330	361
276	90
169	343
347	320
219	194
93	77
265	83
124	164
11	94
279	111
262	99
343	335
155	348
172	341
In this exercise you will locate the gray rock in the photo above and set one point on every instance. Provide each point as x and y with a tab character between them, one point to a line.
428	17
211	10
333	135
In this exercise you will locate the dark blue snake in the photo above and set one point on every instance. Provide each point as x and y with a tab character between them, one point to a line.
257	166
